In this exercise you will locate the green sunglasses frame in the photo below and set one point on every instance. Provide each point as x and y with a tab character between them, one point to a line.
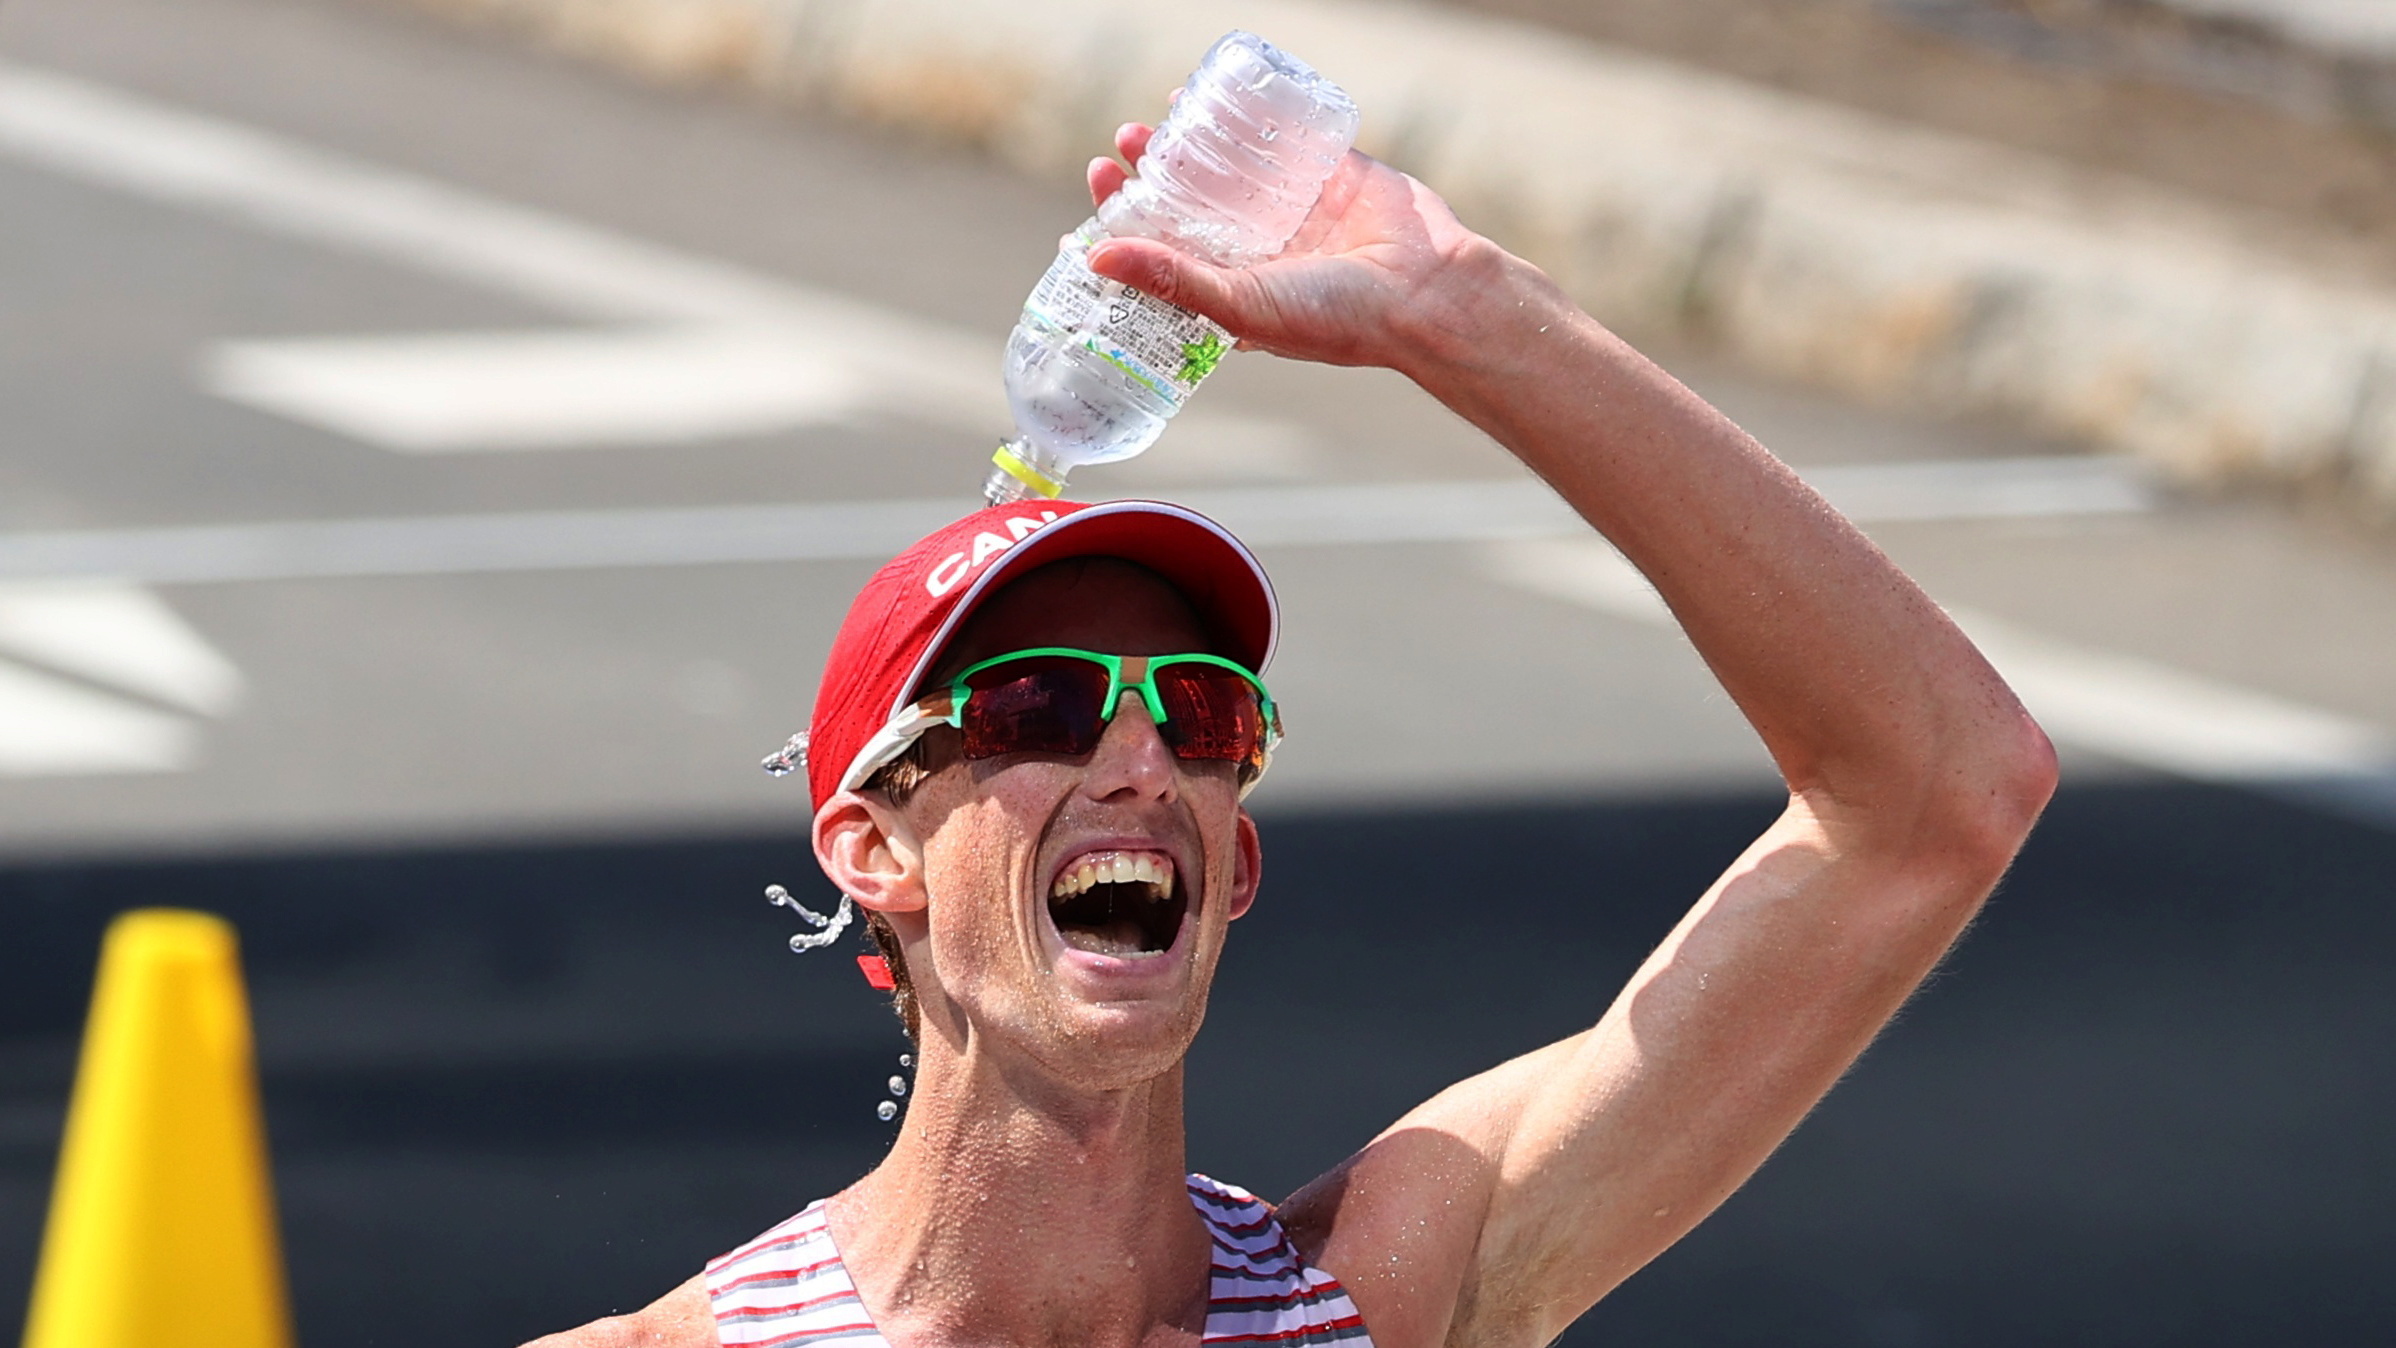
1125	673
1143	670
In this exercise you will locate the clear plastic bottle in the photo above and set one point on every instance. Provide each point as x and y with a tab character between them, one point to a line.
1095	368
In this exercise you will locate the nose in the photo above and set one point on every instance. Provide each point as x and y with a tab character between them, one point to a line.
1132	761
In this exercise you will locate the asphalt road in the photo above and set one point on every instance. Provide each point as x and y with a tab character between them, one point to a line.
514	1088
327	601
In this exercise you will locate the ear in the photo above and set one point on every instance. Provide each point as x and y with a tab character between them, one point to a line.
1247	866
867	849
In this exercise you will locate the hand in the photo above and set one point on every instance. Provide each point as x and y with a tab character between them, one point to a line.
1379	258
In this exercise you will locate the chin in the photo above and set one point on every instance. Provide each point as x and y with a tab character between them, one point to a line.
1116	1045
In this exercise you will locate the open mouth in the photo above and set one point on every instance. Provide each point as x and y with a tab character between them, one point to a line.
1124	904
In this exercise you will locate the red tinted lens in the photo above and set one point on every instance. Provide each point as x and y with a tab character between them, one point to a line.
1039	705
1211	714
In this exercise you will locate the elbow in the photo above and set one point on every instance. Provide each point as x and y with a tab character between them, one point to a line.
1993	798
2026	778
1957	806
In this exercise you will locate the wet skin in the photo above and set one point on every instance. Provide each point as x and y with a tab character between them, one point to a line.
994	833
1035	1195
1049	1087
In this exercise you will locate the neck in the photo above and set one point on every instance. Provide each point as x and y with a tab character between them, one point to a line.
1013	1210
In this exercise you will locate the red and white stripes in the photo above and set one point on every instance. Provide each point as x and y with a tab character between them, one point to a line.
788	1288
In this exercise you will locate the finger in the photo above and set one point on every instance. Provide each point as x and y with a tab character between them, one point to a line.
1131	140
1171	277
1106	179
1339	193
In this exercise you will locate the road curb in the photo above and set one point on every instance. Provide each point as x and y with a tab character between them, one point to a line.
1887	262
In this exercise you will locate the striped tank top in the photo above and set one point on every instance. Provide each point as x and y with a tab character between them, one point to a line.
788	1288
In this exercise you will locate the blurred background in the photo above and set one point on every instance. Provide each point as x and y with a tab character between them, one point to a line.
440	439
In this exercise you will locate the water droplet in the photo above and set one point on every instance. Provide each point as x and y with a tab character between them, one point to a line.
898	1085
1269	133
885	1111
906	1060
790	758
828	928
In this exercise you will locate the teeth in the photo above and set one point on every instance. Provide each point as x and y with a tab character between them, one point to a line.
1116	868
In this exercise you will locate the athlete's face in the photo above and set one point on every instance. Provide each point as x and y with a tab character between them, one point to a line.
1076	906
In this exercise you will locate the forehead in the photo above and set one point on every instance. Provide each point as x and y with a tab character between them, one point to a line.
1097	603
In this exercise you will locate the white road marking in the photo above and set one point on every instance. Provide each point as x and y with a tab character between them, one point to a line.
475	544
50	727
1953	489
546	390
2134	710
718	350
1299	516
272	183
765	353
119	635
2165	718
112	638
909	365
786	354
1481	511
467	392
1586	572
758	353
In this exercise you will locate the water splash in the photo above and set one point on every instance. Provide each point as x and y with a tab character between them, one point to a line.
886	1111
790	758
828	929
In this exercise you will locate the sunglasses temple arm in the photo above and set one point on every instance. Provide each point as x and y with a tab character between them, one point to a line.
895	737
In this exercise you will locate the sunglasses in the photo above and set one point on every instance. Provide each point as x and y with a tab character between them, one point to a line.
1060	700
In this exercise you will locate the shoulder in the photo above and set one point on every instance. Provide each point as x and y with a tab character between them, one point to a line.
1397	1225
681	1318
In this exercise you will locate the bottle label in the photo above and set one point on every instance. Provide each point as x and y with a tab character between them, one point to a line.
1166	347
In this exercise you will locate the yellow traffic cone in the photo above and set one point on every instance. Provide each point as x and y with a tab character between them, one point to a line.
162	1228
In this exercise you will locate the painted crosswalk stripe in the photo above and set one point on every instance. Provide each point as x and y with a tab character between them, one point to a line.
694	348
117	635
100	677
713	348
53	727
273	183
466	392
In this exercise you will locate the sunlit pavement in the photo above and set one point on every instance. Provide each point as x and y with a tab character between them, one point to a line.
275	265
245	609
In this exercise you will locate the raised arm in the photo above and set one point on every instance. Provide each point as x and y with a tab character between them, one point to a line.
1511	1202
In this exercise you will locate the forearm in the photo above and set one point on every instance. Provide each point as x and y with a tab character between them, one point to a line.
1863	691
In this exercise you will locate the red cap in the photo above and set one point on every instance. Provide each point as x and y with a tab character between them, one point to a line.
904	616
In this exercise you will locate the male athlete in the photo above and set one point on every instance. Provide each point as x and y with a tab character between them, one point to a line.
1027	762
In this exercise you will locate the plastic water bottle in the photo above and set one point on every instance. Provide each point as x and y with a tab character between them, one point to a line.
1095	367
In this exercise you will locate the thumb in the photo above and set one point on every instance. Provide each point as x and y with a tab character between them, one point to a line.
1173	278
